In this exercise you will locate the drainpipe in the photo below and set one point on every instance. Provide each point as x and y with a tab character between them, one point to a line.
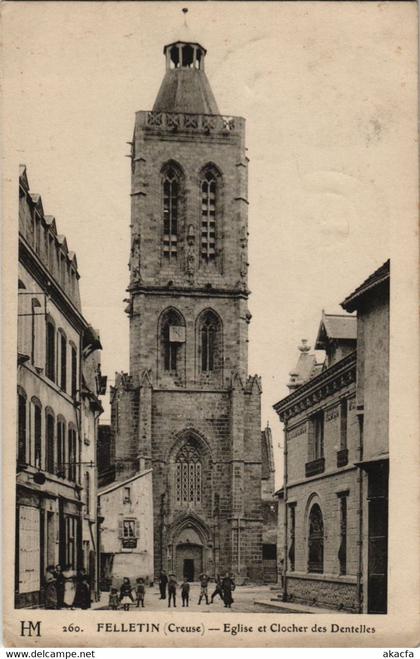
239	545
360	511
285	557
100	519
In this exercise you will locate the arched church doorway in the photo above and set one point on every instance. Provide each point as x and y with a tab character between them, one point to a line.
189	554
189	561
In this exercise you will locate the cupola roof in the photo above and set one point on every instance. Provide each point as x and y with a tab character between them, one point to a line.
185	87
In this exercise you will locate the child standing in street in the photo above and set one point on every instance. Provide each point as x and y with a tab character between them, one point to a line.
126	596
114	600
204	582
140	591
185	592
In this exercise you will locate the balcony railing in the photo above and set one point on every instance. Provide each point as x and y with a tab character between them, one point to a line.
183	121
342	457
315	467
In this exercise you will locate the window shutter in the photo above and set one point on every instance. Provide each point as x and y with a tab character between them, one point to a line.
39	327
24	324
137	527
120	529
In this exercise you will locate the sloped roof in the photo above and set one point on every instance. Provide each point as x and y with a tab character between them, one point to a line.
186	90
267	466
37	200
336	327
50	222
62	240
378	277
117	484
306	368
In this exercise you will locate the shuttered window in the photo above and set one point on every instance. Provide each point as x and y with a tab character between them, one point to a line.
22	429
37	437
49	430
61	447
29	549
63	361
72	457
73	371
50	351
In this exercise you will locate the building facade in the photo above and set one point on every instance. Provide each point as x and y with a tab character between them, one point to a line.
269	508
55	502
334	502
126	534
371	302
188	408
321	494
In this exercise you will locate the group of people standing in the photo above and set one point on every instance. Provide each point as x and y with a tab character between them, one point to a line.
125	596
224	588
66	588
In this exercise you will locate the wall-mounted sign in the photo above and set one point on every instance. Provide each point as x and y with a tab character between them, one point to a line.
176	333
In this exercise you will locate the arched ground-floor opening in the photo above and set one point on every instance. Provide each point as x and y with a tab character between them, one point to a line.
190	551
189	561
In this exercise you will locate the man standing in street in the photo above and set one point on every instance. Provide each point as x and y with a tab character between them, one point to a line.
163	582
172	590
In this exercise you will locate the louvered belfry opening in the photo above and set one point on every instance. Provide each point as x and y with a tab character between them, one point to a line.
171	198
208	217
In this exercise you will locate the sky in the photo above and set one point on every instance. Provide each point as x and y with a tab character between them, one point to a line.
327	90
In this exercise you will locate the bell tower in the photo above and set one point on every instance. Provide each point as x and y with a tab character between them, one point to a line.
193	413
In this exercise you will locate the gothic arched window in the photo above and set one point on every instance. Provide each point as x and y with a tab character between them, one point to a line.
172	340
209	335
208	215
316	540
188	476
171	210
210	343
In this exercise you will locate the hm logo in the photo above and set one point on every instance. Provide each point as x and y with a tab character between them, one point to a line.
28	628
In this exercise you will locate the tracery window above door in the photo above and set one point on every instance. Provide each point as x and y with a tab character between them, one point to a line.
188	476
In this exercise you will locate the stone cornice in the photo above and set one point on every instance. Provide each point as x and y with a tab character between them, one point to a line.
187	291
331	380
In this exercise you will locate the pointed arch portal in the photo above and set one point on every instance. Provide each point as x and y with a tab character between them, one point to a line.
190	549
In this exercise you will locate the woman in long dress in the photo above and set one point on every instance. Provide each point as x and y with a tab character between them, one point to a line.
59	578
82	598
69	586
50	588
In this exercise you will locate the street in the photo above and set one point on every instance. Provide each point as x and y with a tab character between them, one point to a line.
244	597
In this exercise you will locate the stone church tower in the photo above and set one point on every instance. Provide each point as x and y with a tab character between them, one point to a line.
188	409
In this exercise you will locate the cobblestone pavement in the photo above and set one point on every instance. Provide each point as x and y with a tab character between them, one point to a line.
244	597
